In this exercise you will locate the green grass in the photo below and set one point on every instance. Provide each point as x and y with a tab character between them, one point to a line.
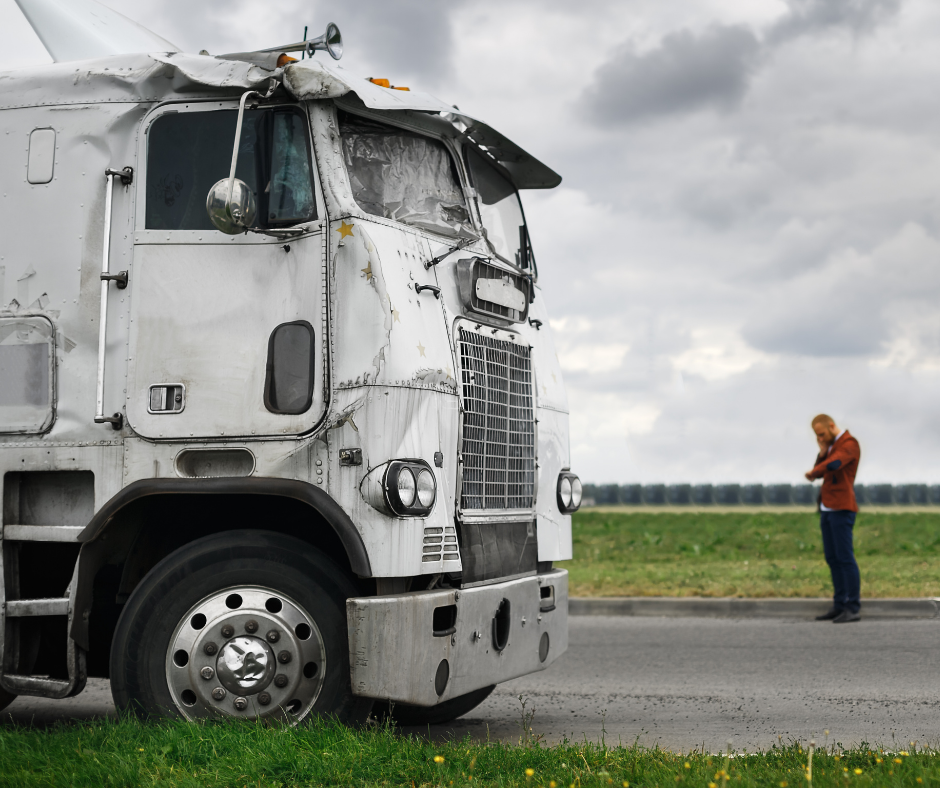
746	554
128	753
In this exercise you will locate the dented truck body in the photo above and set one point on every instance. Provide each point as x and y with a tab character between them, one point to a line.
370	373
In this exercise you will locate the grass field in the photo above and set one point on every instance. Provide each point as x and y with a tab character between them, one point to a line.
746	554
127	753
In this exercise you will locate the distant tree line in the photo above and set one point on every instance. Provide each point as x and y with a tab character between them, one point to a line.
752	494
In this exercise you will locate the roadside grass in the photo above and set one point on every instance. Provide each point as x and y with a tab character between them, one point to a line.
131	753
746	554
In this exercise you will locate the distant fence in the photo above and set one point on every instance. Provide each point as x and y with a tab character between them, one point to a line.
752	494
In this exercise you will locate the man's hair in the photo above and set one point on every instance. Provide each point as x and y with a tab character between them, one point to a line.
822	418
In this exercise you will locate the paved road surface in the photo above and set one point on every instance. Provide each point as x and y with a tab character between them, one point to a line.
685	683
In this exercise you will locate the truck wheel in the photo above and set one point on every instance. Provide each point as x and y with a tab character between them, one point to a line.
406	714
245	624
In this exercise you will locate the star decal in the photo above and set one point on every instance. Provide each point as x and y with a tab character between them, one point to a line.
449	374
345	230
421	349
367	271
395	315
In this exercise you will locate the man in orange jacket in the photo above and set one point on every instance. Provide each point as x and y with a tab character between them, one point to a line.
836	465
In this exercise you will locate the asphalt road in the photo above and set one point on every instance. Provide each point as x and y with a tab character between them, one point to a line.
684	683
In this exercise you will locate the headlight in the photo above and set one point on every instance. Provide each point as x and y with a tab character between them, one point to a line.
575	492
410	488
569	492
406	488
426	488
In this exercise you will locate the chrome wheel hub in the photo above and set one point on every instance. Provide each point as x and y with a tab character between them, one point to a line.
246	652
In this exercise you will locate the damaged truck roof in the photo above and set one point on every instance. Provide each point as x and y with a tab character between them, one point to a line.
154	77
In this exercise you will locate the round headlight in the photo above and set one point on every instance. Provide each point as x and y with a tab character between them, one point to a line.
406	487
426	488
564	490
575	492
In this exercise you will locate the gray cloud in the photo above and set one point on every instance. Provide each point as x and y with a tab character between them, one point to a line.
808	17
687	71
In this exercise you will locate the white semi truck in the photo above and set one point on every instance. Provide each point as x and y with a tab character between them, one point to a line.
282	427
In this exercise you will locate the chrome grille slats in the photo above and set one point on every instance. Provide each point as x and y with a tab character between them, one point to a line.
498	424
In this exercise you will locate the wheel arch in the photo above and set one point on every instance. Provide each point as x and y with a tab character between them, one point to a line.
150	518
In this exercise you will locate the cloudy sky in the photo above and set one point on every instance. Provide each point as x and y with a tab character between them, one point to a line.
747	232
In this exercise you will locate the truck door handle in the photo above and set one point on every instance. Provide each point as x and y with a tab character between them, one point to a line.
126	175
432	288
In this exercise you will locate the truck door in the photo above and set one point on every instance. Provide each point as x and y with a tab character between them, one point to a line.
226	332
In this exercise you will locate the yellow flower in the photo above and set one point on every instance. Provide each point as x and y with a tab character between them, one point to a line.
783	784
626	784
858	771
687	766
919	780
877	760
552	784
904	753
713	785
529	772
898	760
438	759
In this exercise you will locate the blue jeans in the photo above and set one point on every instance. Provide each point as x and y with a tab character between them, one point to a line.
837	546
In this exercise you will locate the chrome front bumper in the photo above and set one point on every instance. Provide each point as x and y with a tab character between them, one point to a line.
395	652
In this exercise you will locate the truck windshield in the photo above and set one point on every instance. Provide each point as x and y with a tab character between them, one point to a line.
500	210
188	152
401	175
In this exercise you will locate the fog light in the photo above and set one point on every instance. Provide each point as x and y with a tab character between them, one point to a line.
569	492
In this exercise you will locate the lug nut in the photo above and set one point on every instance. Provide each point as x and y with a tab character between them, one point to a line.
273	636
210	648
264	698
207	673
227	631
218	693
251	625
240	704
283	657
280	680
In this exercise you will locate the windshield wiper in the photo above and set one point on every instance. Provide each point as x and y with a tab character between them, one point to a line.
463	243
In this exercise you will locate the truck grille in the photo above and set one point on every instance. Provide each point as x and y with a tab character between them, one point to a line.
498	423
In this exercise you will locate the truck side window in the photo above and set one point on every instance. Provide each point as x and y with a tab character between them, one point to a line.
401	175
26	347
500	209
288	386
188	152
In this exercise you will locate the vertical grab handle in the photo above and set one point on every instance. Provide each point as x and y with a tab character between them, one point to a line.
126	175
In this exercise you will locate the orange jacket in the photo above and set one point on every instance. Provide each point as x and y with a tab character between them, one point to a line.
837	469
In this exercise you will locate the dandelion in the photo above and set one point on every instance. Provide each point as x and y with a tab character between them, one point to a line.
713	785
688	765
898	760
858	771
904	753
919	780
783	784
438	759
552	784
626	784
877	760
529	772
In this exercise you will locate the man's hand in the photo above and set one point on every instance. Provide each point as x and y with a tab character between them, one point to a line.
809	476
823	444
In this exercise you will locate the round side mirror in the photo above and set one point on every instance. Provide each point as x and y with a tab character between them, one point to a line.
235	217
334	41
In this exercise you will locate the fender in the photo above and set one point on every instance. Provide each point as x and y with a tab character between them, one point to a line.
91	557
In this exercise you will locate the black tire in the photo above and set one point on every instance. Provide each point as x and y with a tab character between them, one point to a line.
242	559
406	714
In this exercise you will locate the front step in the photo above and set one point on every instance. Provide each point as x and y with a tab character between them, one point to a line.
20	609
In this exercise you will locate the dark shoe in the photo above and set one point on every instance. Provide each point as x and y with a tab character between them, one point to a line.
833	613
845	617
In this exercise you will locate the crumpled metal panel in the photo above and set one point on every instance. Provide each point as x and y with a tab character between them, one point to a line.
389	632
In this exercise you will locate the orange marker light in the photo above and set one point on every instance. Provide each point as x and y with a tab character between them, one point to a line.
384	83
284	59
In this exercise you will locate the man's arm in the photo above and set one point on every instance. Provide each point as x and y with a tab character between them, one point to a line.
841	455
